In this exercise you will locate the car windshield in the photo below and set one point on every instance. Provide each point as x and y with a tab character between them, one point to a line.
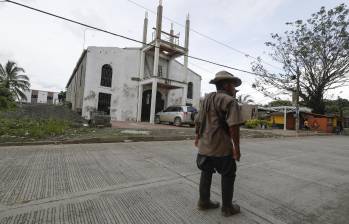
191	109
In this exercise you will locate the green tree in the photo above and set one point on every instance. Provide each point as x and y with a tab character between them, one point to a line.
11	79
62	96
277	103
245	99
339	106
315	50
6	99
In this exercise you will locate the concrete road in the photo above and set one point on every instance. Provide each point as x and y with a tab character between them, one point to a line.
291	180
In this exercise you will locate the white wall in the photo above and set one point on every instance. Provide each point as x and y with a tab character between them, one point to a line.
149	66
75	90
42	96
125	65
177	73
124	91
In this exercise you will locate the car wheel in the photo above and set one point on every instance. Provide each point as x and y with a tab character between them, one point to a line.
157	120
177	121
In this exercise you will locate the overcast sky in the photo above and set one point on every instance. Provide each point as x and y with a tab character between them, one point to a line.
48	48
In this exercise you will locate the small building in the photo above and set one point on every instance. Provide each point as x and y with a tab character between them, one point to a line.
279	116
322	123
277	119
40	96
249	111
316	122
133	84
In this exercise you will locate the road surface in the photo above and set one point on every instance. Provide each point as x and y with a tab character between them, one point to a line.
290	180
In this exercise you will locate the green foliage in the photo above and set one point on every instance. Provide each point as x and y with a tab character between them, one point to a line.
277	103
11	79
315	50
6	104
32	128
62	96
254	123
336	106
6	99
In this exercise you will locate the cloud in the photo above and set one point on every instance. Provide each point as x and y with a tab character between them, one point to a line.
87	16
6	56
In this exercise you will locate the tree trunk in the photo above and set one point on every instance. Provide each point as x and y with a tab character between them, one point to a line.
316	103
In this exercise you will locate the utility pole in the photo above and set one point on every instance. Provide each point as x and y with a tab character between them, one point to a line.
297	99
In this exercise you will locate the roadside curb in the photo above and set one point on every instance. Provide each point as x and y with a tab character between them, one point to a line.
103	140
140	139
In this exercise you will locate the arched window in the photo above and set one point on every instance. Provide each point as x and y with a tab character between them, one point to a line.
106	77
190	90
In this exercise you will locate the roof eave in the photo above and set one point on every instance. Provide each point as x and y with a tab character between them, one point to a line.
77	66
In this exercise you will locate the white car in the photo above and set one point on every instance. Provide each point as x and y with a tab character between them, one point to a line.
177	115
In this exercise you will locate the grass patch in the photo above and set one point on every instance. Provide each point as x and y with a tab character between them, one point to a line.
30	128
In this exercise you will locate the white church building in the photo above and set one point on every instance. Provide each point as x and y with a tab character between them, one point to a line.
133	84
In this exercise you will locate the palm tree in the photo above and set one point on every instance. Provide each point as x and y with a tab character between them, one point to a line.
245	99
12	80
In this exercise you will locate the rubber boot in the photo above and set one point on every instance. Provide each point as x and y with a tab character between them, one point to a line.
228	208
204	202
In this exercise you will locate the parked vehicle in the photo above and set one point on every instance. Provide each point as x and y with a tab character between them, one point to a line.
177	115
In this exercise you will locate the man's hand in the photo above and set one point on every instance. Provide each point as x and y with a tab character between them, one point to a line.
236	153
235	135
196	140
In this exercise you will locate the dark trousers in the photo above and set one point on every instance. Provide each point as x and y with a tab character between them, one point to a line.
226	167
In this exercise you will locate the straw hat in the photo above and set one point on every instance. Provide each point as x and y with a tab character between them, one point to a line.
224	75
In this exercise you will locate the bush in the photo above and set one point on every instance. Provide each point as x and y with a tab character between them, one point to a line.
32	128
6	99
254	123
68	104
6	104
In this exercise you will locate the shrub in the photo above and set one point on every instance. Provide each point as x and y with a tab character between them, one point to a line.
32	128
6	104
254	123
6	99
68	104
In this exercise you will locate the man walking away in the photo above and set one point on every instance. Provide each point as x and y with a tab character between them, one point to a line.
217	124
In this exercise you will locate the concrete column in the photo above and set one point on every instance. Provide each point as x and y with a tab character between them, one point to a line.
156	61
141	66
171	33
159	21
157	39
141	69
139	105
153	101
186	46
187	30
285	118
145	29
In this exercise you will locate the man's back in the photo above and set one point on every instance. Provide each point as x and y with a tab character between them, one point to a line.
217	113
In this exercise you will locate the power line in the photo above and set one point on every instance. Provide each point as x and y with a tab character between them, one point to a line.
221	65
122	36
73	21
205	35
